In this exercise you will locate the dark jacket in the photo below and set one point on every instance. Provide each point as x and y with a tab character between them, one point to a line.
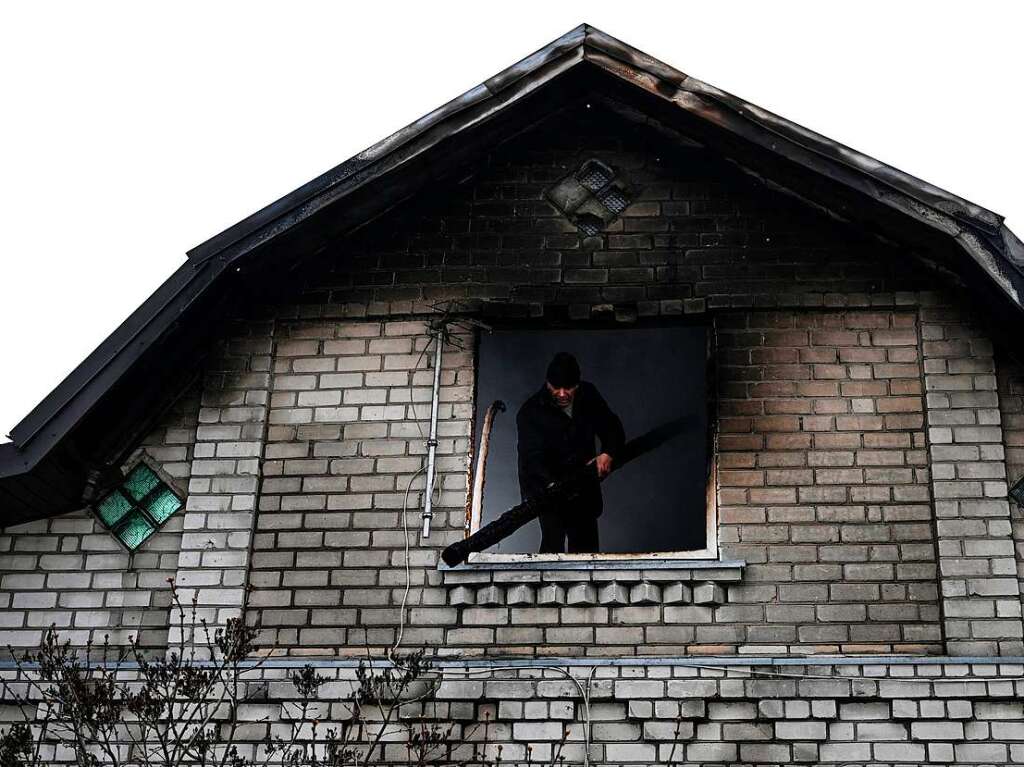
551	444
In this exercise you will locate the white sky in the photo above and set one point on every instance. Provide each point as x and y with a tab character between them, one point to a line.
131	132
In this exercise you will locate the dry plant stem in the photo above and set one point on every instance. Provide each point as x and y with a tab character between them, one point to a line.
182	707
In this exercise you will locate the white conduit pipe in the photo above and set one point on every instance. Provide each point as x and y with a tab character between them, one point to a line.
428	503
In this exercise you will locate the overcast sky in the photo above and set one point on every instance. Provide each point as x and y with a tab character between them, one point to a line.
131	132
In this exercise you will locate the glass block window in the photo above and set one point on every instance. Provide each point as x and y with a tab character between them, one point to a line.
589	225
592	196
137	509
614	199
1017	491
595	175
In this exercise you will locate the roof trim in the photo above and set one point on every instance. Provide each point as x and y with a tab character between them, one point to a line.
302	201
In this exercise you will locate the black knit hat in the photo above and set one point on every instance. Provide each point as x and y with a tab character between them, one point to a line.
564	371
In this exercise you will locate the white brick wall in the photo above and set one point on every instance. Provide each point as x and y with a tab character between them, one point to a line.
348	416
212	566
71	572
977	565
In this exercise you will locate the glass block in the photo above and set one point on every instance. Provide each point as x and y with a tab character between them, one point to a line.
141	481
113	508
589	225
594	175
1017	491
614	199
135	530
164	504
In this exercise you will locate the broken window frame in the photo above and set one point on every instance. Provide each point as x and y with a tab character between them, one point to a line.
711	549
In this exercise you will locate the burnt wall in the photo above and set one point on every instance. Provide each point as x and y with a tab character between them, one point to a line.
823	482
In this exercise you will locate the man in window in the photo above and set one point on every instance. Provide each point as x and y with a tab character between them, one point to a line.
558	429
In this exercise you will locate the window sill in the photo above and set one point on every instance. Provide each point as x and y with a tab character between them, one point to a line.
592	581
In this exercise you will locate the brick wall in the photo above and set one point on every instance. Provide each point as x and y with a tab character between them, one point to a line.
977	567
824	481
218	519
865	439
346	437
823	491
1011	405
850	714
71	572
313	420
697	236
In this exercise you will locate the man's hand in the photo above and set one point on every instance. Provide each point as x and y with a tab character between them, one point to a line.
604	465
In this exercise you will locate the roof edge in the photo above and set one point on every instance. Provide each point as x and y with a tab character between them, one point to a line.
564	45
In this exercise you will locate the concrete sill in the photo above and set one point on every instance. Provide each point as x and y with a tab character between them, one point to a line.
628	562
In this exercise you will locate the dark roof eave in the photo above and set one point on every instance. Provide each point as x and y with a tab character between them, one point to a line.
63	407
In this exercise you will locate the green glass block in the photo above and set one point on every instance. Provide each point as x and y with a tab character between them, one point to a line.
141	481
113	508
135	530
164	504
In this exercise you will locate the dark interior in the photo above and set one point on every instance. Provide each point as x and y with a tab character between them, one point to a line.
649	376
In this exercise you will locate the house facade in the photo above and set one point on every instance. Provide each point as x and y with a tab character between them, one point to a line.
258	432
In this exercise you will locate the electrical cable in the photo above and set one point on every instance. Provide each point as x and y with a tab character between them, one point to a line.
408	569
391	653
405	506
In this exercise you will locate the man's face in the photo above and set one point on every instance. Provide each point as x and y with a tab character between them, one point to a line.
562	395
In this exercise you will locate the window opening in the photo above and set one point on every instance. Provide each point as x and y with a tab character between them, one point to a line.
138	508
660	503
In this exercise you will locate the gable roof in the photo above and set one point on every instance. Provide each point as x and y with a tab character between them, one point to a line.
43	471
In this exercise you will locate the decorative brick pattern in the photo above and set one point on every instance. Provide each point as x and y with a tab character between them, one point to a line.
747	713
977	567
69	571
707	586
219	514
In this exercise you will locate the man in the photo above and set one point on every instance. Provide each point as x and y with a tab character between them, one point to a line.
557	430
